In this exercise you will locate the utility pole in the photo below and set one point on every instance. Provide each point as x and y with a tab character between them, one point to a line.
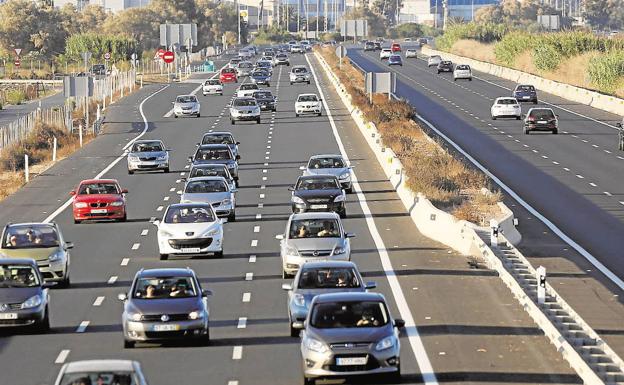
239	20
326	16
318	14
299	17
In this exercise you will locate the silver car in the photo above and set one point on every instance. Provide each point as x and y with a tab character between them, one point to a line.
244	109
316	278
434	60
349	334
146	155
244	68
221	137
330	164
164	304
214	190
90	371
186	105
313	237
299	74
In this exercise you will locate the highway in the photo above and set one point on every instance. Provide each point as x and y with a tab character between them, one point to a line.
463	324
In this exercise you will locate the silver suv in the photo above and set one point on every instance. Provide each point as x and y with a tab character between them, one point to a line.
243	109
147	155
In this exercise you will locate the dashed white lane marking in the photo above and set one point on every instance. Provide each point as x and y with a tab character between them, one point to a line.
248	276
619	157
124	262
260	205
622	202
608	194
178	181
592	184
246	297
82	327
254	243
264	178
265	171
580	176
172	189
268	153
159	208
98	301
607	151
232	383
182	173
136	246
252	259
60	359
112	280
594	145
266	157
237	353
555	162
567	169
258	216
544	156
166	198
187	166
256	229
584	140
152	219
261	196
263	187
242	323
144	232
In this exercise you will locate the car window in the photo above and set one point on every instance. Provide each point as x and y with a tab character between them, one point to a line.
326	163
212	82
189	214
209	171
30	236
213	154
147	147
248	87
165	287
98	188
542	114
205	186
317	184
259	74
507	101
462	67
314	228
525	88
99	378
349	315
228	71
328	278
18	276
218	139
245	65
186	99
244	102
263	95
307	98
299	70
263	64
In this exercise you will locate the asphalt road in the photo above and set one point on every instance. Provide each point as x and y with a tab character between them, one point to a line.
10	113
470	328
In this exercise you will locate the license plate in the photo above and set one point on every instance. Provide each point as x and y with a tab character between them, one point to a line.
541	121
8	315
315	207
166	328
98	211
526	97
301	79
345	361
190	250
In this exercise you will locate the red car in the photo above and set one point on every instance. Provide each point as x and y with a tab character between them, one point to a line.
396	47
99	199
228	75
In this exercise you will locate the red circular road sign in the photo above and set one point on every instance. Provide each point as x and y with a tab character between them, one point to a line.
160	53
107	56
168	57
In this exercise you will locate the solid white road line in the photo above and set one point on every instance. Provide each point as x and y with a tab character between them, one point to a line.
98	301
246	297
237	353
242	323
60	359
413	336
82	327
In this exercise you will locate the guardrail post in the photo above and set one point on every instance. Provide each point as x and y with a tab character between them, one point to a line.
540	273
80	133
54	149
26	171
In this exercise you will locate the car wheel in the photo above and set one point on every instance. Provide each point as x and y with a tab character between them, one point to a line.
291	83
198	115
258	121
66	282
285	275
268	85
493	117
527	131
129	344
535	101
232	121
308	82
175	116
164	257
77	221
232	217
43	326
319	114
296	115
343	213
394	377
166	170
438	72
518	117
124	218
130	172
555	131
308	381
294	332
470	79
218	254
349	190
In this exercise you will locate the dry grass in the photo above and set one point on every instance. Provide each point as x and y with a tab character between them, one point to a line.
475	50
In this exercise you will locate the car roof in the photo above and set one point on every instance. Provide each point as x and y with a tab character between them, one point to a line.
166	272
336	264
349	296
99	365
208	165
506	98
206	178
317	176
99	181
18	261
31	224
540	109
309	94
184	95
218	133
147	141
314	215
326	156
300	66
213	145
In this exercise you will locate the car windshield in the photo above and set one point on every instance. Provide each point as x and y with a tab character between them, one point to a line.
328	278
463	67
218	139
99	378
248	87
228	71
263	64
446	63
209	171
212	82
436	57
326	163
542	114
318	184
189	214
147	147
245	65
98	188
213	154
29	236
263	95
235	60
314	228
165	287
525	88
18	276
186	99
307	98
260	74
395	57
299	70
350	314
507	101
244	102
205	186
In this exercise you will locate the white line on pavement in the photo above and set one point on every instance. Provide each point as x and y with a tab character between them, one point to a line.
98	301
608	194
254	243
242	323
159	208
125	261
252	259
60	359
237	353
232	382
112	279
248	276
246	297
144	232
256	229
136	246
172	189
258	216
82	327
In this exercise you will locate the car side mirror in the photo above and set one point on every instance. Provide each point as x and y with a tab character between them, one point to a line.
124	191
280	237
291	188
302	168
168	150
72	192
619	125
48	285
123	297
237	143
234	190
183	179
287	286
370	285
190	159
523	116
350	235
69	245
206	293
172	102
556	116
399	323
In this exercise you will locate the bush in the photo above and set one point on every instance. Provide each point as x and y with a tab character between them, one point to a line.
485	33
511	46
15	97
606	70
120	47
546	57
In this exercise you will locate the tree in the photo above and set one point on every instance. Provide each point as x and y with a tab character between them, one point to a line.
376	23
513	12
603	14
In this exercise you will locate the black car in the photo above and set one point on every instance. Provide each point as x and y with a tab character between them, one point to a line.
525	93
265	100
377	46
541	119
445	66
98	69
318	193
23	295
216	154
369	46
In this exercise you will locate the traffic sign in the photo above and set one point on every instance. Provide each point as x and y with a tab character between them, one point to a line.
168	57
107	56
18	51
17	62
160	53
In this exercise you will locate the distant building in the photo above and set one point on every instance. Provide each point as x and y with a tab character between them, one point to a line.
108	5
431	12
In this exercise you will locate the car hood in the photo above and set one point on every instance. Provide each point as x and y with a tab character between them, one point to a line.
245	108
350	335
148	154
37	254
307	194
205	197
97	198
17	294
164	306
315	243
309	294
183	105
188	230
215	161
326	171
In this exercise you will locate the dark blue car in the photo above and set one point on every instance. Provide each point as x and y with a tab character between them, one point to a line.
261	77
395	60
525	93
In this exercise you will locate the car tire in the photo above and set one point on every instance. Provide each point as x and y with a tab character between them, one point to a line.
296	115
129	344
308	82
518	117
268	84
124	218
164	257
291	83
470	79
175	116
527	131
77	221
166	170
349	190
555	131
308	381
394	377
258	121
438	72
535	101
294	332
66	282
218	254
319	114
43	326
198	115
232	121
343	213
232	217
493	117
130	172
285	275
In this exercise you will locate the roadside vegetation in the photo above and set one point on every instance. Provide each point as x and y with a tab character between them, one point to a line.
449	183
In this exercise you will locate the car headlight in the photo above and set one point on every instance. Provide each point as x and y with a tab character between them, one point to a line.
385	343
299	299
339	198
344	176
133	158
80	205
165	233
117	203
292	251
340	250
298	200
195	315
56	256
162	157
315	345
231	165
136	317
212	233
31	302
226	201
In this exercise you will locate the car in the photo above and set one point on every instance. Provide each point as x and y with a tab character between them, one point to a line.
411	52
234	62
434	60
259	76
268	52
99	199
245	54
264	65
377	46
308	104
266	100
296	48
216	154
314	278
620	124
268	58
347	334
243	109
214	190
525	93
25	298
541	119
125	372
318	193
445	66
385	53
148	155
228	75
281	59
212	86
98	69
186	105
299	74
42	242
165	304
396	47
369	46
422	41
407	39
212	169
189	228
462	71
246	90
506	107
330	164
221	137
395	60
244	68
311	237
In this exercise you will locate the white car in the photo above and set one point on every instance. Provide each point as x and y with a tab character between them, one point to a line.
462	71
245	54
189	228
385	53
296	48
411	53
212	86
434	60
308	104
506	107
246	90
214	190
299	74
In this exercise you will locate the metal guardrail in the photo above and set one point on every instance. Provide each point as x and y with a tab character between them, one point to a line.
30	81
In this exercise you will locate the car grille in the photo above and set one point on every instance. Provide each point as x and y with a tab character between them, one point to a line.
150	158
199	242
370	365
98	204
12	306
315	253
16	322
348	345
319	200
156	317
